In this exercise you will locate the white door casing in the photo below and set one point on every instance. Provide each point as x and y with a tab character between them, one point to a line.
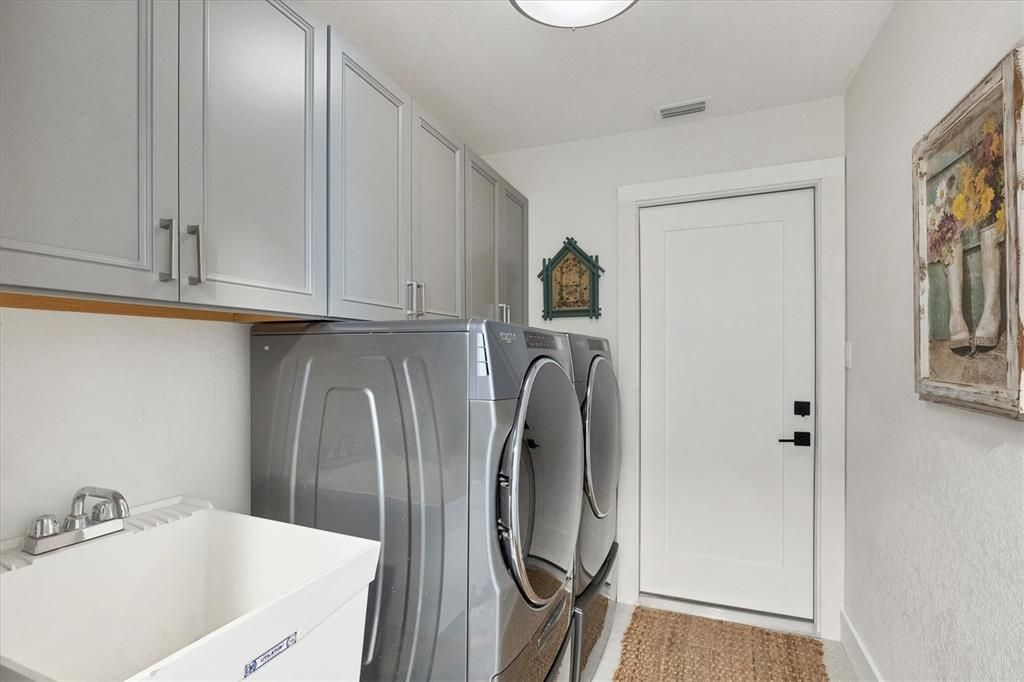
727	346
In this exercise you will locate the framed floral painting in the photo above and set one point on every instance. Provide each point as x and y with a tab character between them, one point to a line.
968	192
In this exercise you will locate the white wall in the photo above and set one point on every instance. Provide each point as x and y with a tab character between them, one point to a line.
151	407
573	187
935	494
573	191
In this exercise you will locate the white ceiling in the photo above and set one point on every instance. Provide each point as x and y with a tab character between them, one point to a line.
504	82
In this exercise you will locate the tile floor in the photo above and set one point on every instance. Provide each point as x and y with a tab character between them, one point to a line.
610	660
839	667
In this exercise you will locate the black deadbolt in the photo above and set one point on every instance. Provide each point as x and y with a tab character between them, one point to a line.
801	438
801	408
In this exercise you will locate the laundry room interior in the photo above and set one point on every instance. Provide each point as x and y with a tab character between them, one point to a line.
511	340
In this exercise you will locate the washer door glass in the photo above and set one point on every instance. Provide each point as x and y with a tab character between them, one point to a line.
540	483
601	426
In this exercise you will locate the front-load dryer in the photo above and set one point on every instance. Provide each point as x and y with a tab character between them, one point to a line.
524	427
455	444
598	394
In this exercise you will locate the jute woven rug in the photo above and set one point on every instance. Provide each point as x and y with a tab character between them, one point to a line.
660	645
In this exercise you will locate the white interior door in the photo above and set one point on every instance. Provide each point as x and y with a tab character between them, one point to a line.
727	347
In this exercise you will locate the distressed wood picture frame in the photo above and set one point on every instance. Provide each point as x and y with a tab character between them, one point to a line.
968	192
571	283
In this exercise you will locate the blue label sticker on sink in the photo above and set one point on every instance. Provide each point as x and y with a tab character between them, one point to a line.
269	655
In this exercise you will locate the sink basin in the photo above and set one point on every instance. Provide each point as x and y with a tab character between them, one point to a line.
187	592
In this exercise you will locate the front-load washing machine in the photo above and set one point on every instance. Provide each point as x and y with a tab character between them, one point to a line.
455	444
598	394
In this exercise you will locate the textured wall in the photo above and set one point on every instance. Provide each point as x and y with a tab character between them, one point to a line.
152	407
935	494
573	187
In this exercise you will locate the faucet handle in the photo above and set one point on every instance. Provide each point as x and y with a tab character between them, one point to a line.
43	526
104	511
75	522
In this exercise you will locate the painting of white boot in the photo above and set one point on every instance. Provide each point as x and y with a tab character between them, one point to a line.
968	192
990	327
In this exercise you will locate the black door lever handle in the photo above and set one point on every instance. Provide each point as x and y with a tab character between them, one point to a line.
800	438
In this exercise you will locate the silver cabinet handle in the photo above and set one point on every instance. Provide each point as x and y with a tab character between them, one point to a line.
502	312
508	313
421	308
200	276
172	272
410	292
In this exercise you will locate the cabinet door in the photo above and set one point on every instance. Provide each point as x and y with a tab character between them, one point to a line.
438	237
512	250
369	192
253	155
482	203
88	129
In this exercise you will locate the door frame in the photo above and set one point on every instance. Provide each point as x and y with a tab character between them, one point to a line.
827	177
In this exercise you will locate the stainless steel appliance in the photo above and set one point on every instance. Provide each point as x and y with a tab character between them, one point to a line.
598	393
457	445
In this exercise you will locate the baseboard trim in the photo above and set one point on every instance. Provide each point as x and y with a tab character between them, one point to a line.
858	654
755	618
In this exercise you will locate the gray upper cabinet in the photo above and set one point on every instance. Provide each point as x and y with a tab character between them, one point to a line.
253	107
239	154
88	133
369	190
99	193
496	245
438	235
482	203
513	214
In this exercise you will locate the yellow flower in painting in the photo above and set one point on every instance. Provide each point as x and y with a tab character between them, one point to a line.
996	148
979	179
1000	221
991	141
984	206
960	207
983	195
973	203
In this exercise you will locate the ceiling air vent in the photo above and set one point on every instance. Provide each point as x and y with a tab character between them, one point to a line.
681	109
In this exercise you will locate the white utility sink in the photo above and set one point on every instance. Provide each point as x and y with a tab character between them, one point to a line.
189	592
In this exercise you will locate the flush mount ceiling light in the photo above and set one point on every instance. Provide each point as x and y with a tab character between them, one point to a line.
572	13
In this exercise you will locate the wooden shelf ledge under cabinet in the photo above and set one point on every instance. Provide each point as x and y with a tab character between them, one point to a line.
74	304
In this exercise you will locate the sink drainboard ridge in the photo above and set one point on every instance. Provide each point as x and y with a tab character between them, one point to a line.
144	517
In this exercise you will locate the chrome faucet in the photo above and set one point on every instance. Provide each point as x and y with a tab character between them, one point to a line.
114	506
108	515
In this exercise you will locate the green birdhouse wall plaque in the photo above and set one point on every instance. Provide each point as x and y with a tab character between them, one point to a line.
571	283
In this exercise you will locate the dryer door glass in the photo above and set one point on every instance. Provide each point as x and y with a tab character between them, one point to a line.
603	447
540	483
